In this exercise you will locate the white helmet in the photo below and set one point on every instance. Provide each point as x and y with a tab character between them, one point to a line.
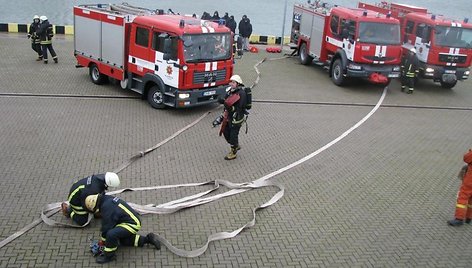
112	179
413	50
43	18
236	78
35	17
91	202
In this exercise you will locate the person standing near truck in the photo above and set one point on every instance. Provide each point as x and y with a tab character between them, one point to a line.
46	33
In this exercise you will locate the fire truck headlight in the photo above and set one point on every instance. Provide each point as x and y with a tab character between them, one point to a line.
429	70
396	69
467	72
184	96
185	68
354	67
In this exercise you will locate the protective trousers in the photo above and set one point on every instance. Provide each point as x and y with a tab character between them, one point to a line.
37	48
45	48
464	202
122	236
231	133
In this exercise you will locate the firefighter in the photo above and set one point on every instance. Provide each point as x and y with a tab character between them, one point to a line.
464	197
45	34
94	184
235	104
409	71
35	42
120	226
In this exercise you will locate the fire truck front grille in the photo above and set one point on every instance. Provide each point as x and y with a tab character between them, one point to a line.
375	58
209	77
452	58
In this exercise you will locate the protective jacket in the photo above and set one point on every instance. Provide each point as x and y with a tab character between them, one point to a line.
45	33
117	213
410	66
464	197
91	185
236	109
34	27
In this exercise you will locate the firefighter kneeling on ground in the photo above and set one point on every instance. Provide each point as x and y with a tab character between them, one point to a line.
95	184
120	226
409	71
234	115
464	197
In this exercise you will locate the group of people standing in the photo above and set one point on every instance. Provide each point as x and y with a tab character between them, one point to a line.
41	34
244	26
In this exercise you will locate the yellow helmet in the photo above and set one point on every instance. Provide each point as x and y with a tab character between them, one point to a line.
91	202
236	78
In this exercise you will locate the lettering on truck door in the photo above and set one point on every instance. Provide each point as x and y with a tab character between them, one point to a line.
166	70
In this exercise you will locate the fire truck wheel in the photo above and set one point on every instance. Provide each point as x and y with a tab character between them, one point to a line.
155	97
448	85
305	59
96	76
337	73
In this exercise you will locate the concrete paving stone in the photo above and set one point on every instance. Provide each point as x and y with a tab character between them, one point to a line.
378	198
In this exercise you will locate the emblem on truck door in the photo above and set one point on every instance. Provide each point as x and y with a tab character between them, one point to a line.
169	70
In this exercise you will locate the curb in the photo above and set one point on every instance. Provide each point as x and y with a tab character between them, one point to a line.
69	29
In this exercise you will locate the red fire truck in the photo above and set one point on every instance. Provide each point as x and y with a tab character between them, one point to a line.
350	42
172	60
444	46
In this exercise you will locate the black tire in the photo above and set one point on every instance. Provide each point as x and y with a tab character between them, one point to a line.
448	85
337	73
95	75
155	97
305	59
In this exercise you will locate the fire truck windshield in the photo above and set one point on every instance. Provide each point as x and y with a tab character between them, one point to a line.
453	37
379	33
207	47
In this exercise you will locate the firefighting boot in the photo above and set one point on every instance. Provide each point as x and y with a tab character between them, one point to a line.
45	61
105	257
403	88
238	147
40	58
152	239
55	59
455	222
410	91
232	154
65	209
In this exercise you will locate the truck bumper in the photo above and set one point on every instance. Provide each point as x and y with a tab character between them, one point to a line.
197	97
365	71
444	73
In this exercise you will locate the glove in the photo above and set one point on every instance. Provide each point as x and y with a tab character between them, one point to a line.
96	247
217	120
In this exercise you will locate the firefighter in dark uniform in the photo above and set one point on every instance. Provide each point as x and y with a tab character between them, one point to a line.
45	34
95	184
409	71
35	42
120	225
234	115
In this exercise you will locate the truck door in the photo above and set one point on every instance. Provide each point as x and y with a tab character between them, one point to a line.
166	69
423	42
140	59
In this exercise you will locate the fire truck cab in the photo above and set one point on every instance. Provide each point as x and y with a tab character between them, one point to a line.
350	42
171	60
443	45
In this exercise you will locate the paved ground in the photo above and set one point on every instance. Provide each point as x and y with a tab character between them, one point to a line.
378	198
